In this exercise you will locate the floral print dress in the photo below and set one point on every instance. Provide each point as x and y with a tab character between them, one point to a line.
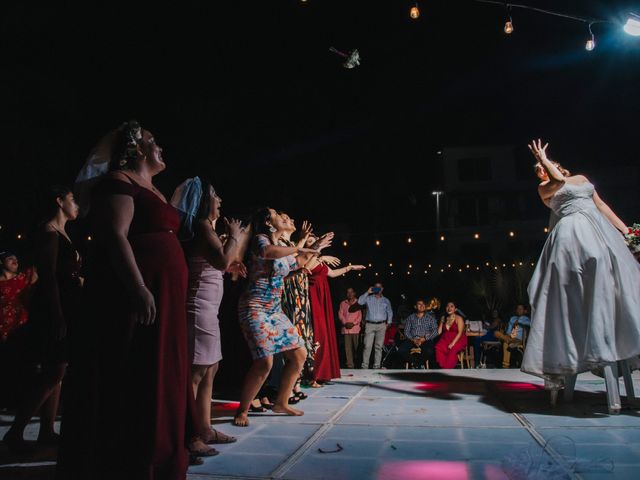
295	304
265	326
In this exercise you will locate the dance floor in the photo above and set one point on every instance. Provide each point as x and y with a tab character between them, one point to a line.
417	424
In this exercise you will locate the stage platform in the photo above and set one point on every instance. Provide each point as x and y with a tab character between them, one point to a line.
427	424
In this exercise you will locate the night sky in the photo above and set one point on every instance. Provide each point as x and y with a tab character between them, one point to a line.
248	94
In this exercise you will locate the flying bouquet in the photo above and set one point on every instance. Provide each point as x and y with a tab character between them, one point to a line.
633	238
352	59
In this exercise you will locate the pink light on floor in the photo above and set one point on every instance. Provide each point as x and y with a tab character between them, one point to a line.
519	386
423	470
225	405
431	386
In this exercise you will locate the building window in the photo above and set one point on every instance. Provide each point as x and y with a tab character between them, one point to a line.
474	169
473	211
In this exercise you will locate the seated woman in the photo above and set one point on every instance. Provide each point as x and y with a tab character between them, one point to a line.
452	340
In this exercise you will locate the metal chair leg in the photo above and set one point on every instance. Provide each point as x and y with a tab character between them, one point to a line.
628	382
613	388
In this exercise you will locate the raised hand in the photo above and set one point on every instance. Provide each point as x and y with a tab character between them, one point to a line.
324	241
239	268
331	261
233	227
538	150
312	251
306	229
357	267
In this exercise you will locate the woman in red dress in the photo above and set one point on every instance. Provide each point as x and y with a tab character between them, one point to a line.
138	402
14	287
452	338
327	361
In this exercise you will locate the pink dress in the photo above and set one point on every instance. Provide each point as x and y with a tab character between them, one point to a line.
449	358
206	286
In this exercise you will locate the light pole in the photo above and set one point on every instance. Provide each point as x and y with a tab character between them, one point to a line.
437	194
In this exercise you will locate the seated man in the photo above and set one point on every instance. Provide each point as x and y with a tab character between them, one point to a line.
492	326
420	330
512	338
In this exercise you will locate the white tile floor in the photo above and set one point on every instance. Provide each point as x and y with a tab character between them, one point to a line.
415	425
462	424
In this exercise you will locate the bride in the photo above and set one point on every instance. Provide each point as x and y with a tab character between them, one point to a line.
585	290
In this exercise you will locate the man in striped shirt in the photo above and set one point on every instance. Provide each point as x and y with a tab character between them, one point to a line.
421	330
379	315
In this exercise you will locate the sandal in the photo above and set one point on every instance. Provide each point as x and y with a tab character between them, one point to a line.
300	395
209	452
194	460
259	409
293	400
220	438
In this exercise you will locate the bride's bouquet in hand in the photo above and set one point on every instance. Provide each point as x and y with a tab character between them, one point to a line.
633	239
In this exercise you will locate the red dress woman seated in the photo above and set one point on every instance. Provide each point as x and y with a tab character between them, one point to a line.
452	338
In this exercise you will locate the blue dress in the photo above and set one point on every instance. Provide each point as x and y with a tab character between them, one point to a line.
266	328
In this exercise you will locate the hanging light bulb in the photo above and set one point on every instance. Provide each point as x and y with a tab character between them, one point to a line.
377	243
409	240
591	43
508	26
414	13
632	27
345	243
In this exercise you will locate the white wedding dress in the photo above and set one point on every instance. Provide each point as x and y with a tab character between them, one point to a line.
584	293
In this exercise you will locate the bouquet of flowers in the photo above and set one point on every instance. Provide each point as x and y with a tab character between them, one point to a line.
633	238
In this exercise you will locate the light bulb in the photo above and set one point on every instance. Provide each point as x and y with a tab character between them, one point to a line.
442	238
414	13
377	243
590	45
344	244
632	27
409	240
508	27
476	236
512	234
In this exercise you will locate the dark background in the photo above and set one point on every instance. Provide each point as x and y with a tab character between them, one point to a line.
247	93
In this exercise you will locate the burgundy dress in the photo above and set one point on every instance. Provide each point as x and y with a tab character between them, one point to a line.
448	358
136	376
327	361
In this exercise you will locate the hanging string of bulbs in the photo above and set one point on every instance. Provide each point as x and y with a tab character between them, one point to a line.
631	27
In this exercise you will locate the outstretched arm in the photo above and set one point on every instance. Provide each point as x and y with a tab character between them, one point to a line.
341	271
607	212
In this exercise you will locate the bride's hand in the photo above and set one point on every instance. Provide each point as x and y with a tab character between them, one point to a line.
538	151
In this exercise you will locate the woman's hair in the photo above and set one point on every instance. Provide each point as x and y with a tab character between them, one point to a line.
204	209
259	220
48	202
563	170
124	151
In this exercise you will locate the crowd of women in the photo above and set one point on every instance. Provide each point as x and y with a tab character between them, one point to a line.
131	337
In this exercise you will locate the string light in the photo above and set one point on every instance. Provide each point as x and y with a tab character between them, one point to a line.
546	229
414	13
369	265
512	234
487	264
89	238
391	264
409	240
476	236
442	238
377	243
591	43
19	237
344	244
410	265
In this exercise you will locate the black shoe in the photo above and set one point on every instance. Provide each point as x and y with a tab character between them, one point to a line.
293	400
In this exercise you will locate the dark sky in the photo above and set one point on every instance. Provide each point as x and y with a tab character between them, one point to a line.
248	93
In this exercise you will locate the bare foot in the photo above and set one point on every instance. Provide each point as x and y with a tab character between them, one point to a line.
241	419
287	409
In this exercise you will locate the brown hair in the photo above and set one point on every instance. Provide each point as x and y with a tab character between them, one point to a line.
563	170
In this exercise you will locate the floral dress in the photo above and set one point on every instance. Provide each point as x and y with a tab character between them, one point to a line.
265	326
295	304
13	312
